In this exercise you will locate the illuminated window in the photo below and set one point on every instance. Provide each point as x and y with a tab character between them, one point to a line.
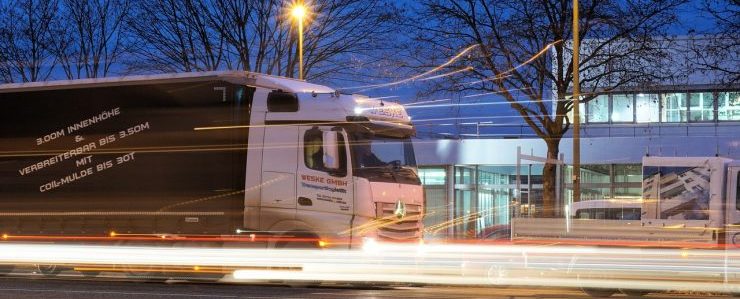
701	106
728	107
433	176
647	108
674	107
581	110
622	108
598	109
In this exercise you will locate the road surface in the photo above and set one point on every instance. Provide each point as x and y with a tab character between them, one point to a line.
69	287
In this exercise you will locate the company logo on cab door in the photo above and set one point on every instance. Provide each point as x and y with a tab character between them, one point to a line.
335	183
322	180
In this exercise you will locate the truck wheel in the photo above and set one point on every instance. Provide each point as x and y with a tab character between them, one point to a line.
300	245
90	274
139	272
49	270
598	293
634	293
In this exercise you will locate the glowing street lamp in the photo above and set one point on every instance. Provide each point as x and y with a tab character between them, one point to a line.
299	11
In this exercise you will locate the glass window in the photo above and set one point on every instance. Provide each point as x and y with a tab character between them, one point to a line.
582	112
728	107
627	173
647	108
589	174
313	155
465	212
499	175
432	176
313	152
622	108
464	175
436	211
679	198
598	109
674	107
701	106
595	174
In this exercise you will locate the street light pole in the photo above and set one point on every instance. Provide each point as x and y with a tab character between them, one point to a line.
576	108
300	48
299	13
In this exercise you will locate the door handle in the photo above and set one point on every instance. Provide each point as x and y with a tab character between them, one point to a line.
305	201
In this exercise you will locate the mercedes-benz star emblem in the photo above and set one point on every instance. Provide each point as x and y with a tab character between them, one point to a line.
400	210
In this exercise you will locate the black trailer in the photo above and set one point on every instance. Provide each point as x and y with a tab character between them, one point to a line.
129	157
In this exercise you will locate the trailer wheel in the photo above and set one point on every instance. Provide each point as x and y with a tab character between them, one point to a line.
139	272
90	274
49	270
599	293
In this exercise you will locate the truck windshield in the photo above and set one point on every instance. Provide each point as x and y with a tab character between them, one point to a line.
386	159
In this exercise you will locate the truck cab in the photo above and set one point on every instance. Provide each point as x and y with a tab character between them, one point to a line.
338	167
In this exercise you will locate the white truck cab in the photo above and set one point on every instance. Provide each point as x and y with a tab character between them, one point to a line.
336	166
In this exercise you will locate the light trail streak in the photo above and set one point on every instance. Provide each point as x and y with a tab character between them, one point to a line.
447	264
498	92
469	68
415	77
426	102
507	73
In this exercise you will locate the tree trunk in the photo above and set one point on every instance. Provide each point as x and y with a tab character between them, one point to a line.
549	180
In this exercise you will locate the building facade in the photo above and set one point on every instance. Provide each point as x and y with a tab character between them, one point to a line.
471	183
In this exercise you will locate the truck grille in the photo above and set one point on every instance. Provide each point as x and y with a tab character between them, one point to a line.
392	228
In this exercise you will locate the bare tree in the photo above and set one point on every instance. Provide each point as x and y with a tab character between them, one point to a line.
174	36
90	36
717	52
525	57
26	36
259	36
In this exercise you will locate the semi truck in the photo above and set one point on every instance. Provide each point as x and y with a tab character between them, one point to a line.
686	202
209	155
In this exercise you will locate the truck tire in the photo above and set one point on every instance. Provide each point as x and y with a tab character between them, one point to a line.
300	245
49	270
599	293
139	272
90	274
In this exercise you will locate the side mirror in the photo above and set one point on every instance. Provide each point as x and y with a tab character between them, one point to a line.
331	150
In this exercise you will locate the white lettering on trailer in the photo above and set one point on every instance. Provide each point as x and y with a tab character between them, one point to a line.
49	137
93	120
133	130
66	180
76	176
58	158
84	161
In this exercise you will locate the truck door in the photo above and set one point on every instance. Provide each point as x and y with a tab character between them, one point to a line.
324	184
733	207
279	157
